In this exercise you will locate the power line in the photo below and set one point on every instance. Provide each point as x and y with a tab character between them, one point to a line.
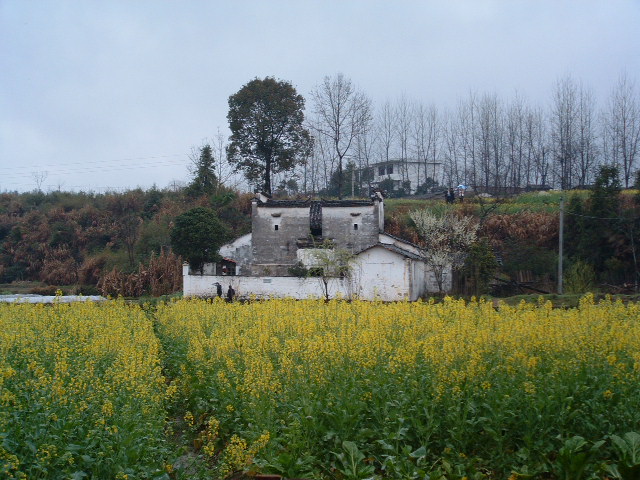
54	165
98	169
626	219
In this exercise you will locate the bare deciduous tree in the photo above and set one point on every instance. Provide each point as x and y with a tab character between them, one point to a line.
491	145
538	146
564	121
364	154
586	145
226	173
404	116
466	121
485	141
329	265
453	148
622	127
386	130
516	142
39	178
426	137
342	113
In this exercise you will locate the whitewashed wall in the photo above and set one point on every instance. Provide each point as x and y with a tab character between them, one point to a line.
262	287
410	170
382	274
377	274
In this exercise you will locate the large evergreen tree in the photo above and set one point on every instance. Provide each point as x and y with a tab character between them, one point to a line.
597	230
602	221
197	235
267	131
204	180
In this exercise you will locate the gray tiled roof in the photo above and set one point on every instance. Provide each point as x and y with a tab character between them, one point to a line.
307	203
393	248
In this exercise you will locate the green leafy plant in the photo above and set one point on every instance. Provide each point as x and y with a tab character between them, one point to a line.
299	270
352	462
576	459
627	450
480	266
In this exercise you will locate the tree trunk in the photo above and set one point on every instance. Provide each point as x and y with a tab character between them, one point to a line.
267	177
340	178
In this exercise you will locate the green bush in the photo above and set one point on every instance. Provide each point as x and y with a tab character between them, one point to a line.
580	278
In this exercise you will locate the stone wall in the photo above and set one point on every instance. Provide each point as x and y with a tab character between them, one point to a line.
279	227
352	228
274	235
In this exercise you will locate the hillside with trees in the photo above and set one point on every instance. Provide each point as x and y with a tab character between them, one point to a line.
518	238
121	243
113	243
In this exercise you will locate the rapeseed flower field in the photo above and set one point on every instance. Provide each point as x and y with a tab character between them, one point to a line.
81	392
409	390
314	389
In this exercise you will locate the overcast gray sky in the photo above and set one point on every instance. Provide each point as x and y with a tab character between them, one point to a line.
97	94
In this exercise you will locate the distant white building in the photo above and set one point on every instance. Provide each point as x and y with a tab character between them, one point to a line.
284	236
412	173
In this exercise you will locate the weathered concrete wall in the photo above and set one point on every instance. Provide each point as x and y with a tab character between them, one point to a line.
281	287
447	277
352	228
275	231
384	274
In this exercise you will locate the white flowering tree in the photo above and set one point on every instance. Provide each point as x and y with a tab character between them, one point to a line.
331	264
446	240
328	264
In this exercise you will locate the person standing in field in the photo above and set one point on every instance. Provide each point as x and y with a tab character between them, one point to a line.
230	294
449	195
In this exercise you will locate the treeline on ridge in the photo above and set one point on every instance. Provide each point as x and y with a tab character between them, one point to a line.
119	243
113	243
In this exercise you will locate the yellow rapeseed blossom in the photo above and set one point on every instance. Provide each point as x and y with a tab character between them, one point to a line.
260	349
188	417
84	372
278	364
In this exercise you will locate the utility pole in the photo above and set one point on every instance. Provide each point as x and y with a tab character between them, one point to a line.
560	245
353	180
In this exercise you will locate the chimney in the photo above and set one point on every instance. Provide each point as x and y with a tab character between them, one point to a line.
378	203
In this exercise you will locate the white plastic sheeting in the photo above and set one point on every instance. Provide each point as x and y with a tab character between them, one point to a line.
31	298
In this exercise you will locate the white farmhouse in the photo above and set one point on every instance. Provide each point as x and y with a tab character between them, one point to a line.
405	173
284	236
